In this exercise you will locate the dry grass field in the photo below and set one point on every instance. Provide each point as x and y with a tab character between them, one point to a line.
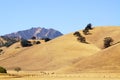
32	75
65	58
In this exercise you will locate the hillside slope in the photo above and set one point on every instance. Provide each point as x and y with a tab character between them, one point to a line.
107	60
57	53
66	53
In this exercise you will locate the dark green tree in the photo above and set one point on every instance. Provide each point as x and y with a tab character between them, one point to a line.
25	43
107	42
82	39
3	70
85	31
33	38
77	34
17	69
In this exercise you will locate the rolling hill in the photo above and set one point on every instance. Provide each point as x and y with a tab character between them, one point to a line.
66	54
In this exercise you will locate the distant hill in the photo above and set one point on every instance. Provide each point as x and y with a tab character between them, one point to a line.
37	32
2	41
67	55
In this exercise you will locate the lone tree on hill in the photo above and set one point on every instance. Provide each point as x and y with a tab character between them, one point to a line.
17	69
107	42
87	28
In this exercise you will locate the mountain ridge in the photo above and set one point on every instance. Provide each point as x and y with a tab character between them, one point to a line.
38	32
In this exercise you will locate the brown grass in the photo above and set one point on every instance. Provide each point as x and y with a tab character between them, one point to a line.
66	55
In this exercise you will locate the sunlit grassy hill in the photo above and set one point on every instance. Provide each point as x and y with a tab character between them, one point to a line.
66	54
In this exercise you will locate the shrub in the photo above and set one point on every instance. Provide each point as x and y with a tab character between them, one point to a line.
33	38
77	34
107	42
85	31
3	70
1	50
25	43
88	27
17	69
46	39
81	39
38	42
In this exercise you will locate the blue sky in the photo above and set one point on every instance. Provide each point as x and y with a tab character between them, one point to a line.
64	15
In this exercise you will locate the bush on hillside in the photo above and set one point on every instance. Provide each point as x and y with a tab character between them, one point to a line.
85	31
77	34
9	43
81	39
10	40
33	38
17	69
46	39
107	42
87	28
1	50
25	43
3	70
38	42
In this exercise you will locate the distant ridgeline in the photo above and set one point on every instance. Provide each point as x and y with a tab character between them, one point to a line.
38	33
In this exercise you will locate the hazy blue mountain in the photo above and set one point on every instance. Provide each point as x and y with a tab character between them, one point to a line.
37	32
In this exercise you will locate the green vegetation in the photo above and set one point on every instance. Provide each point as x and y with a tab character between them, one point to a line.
17	69
25	43
77	34
38	42
107	42
1	50
9	41
33	38
3	70
46	39
87	28
80	38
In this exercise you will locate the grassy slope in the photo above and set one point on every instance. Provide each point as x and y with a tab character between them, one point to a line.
63	52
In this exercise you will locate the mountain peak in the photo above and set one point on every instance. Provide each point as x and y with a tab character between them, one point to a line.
36	31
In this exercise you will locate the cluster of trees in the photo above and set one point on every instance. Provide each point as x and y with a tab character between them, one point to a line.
107	40
85	32
26	43
9	41
3	70
79	37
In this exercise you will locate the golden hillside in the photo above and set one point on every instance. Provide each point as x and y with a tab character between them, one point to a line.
66	53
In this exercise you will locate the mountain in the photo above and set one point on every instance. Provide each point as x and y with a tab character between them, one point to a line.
2	41
66	54
37	32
